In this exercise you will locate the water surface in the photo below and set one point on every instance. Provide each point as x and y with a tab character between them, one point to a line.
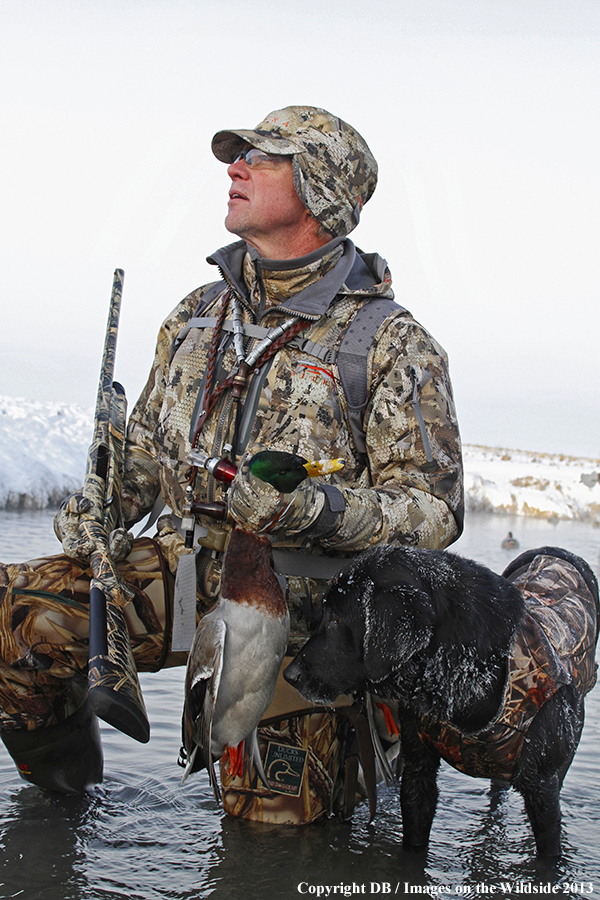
142	836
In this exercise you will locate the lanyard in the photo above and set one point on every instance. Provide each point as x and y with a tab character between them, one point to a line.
275	339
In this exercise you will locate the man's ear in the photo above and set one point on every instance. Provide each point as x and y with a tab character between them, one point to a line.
398	623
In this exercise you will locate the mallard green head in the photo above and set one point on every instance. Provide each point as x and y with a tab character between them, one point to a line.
285	471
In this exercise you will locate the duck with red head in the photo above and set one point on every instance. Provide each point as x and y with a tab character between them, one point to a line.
235	659
239	645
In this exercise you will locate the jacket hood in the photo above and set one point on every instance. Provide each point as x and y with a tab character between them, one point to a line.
356	273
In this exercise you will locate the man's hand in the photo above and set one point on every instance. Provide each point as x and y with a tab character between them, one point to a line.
256	506
66	529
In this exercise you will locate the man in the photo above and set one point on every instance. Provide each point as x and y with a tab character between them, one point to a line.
277	354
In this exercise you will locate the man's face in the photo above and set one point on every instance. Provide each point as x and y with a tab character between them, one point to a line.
264	208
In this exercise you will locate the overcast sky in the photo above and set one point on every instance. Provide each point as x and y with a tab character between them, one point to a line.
483	117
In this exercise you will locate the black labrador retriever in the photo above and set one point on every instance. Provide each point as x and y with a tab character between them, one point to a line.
489	672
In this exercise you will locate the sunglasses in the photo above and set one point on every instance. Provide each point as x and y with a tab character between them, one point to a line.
255	157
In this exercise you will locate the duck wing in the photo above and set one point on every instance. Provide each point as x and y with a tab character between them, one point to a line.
227	692
202	680
254	748
380	754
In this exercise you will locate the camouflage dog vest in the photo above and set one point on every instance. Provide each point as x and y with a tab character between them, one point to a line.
554	645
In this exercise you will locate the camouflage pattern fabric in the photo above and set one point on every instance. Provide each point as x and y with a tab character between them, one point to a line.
256	506
44	615
554	645
409	488
301	759
335	173
295	402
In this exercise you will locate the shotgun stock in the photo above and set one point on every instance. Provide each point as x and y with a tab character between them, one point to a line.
113	685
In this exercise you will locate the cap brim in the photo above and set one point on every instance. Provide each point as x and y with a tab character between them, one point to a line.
227	144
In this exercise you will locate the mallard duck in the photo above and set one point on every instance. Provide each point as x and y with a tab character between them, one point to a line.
238	646
286	471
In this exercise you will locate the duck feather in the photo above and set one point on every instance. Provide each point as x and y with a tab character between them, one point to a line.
235	658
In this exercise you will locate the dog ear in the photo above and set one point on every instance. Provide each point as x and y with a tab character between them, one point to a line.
397	574
398	624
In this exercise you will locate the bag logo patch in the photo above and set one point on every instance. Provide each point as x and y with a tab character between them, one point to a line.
284	768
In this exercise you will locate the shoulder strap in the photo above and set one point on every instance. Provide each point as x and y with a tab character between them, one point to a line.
207	298
352	360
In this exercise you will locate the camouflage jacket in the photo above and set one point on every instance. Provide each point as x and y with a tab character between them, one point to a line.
409	483
554	645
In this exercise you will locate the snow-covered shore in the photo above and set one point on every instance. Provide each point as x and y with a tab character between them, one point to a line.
544	485
43	449
43	453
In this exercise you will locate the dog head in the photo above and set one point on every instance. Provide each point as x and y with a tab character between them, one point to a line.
376	616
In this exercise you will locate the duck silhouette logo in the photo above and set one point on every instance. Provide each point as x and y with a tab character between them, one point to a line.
284	768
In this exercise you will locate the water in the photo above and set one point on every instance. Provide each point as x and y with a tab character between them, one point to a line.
142	836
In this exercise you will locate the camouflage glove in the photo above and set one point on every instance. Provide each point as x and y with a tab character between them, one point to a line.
256	506
66	529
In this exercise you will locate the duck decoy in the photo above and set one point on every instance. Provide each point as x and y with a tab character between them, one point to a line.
510	542
239	645
590	479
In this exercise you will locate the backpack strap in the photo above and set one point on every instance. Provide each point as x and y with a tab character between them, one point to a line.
352	361
210	294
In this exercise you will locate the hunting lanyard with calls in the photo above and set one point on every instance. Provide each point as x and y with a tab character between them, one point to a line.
221	469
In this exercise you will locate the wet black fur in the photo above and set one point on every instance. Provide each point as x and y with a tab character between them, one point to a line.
433	631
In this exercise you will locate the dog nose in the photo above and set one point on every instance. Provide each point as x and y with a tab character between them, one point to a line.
292	673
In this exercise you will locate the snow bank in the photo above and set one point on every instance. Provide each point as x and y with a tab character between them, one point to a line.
544	485
43	450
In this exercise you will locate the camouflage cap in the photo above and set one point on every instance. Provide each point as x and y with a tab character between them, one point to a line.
335	173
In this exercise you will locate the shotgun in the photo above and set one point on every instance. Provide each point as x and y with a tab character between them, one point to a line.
113	685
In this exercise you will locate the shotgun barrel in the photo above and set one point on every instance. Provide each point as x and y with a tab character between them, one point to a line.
113	684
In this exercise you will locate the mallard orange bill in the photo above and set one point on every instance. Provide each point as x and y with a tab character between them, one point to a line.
323	466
